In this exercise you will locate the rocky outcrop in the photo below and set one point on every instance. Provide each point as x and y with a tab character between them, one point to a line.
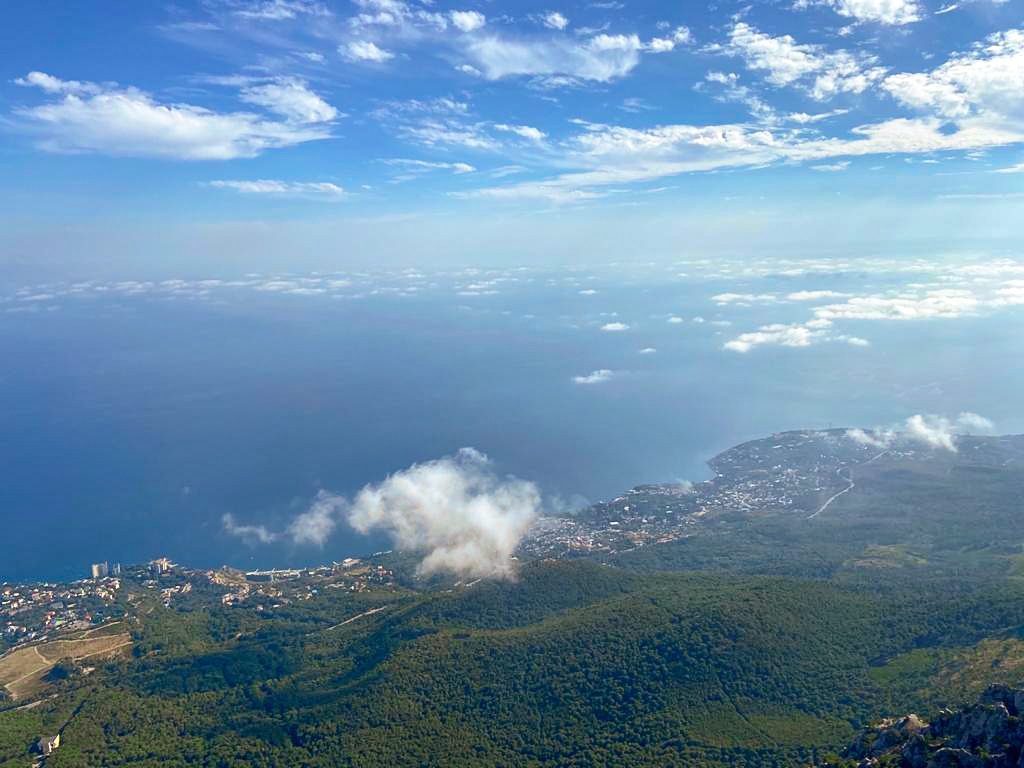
988	734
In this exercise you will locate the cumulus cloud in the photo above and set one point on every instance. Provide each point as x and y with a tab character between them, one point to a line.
365	50
891	12
933	431
467	21
464	517
614	327
913	302
742	298
554	20
600	376
937	432
985	83
974	422
316	524
940	303
679	36
822	73
791	335
51	84
874	438
814	295
291	98
115	120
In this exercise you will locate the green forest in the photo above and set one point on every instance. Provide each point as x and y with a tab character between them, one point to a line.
574	663
764	641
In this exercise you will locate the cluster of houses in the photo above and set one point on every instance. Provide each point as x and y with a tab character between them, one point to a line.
31	612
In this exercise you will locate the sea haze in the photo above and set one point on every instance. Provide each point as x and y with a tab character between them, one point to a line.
136	415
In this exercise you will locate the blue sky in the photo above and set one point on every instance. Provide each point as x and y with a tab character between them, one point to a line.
163	134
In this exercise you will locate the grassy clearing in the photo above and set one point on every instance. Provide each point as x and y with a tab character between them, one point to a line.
21	671
20	664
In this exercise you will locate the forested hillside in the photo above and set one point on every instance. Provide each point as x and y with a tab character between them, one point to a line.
757	638
573	664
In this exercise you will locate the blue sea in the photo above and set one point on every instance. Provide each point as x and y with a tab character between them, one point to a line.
133	416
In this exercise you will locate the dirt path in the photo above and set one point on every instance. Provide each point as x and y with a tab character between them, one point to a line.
832	498
849	488
361	615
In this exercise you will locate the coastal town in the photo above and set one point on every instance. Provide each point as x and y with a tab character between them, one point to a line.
37	612
790	473
797	474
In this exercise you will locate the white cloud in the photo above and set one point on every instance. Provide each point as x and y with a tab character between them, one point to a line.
648	351
853	341
680	36
933	431
365	50
310	528
804	118
892	12
840	165
253	534
609	156
291	98
792	335
459	133
600	58
51	84
600	376
279	10
417	167
675	320
820	72
525	131
986	83
732	90
317	190
974	422
114	120
743	298
467	21
814	295
660	45
464	517
941	303
554	20
874	438
315	525
614	327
